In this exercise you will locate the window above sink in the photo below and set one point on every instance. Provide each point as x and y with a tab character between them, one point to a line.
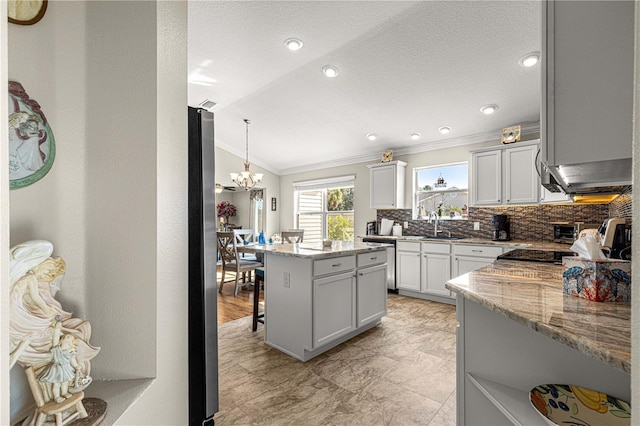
441	191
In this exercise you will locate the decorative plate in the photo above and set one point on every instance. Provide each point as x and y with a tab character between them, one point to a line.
32	147
575	405
26	12
387	156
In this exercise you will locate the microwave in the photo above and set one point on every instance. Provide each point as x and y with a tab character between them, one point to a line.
567	232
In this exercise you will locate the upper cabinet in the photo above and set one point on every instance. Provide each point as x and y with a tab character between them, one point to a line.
587	93
387	185
505	175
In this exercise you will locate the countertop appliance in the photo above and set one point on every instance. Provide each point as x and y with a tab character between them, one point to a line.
536	255
202	299
568	232
391	258
501	230
614	238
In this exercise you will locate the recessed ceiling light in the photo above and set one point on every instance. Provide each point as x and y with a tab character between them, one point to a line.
415	136
529	60
444	129
489	109
293	44
372	136
330	71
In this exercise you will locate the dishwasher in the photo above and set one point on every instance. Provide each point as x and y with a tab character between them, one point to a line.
391	259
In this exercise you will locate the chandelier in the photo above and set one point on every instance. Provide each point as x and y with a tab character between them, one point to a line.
246	179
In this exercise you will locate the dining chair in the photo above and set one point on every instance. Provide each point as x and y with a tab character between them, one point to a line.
243	235
231	262
293	236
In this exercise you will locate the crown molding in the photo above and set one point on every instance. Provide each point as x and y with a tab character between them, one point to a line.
528	128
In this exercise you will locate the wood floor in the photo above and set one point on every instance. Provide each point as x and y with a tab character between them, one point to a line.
232	307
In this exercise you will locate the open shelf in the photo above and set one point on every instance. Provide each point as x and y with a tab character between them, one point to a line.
513	403
118	394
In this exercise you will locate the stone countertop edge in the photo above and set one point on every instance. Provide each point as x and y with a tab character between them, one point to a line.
600	330
533	245
317	251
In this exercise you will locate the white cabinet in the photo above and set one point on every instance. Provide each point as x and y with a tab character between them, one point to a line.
424	268
334	307
467	257
315	303
587	64
371	289
505	175
486	177
548	197
387	185
436	271
408	266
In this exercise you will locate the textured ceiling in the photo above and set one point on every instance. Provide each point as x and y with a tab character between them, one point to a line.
404	67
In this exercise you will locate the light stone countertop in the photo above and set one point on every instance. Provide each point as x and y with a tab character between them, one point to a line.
533	245
316	250
531	294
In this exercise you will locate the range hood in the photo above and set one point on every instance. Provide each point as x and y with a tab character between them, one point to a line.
597	177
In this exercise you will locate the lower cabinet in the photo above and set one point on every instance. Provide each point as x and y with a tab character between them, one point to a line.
467	258
334	307
371	290
437	271
423	269
313	304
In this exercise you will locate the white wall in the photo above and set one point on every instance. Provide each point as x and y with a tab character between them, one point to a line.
363	213
111	79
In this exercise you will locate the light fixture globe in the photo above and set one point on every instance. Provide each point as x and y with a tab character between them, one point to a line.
444	129
529	60
293	44
372	136
415	136
330	71
246	180
489	109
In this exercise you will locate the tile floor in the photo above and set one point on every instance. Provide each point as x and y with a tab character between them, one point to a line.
399	373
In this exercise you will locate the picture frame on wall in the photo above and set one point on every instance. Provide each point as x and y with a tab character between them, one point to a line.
273	204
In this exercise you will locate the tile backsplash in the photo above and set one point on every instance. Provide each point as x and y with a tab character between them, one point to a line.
526	222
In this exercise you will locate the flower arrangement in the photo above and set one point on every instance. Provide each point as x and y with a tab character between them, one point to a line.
226	209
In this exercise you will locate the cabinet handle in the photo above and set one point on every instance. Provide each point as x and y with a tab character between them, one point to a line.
477	251
336	265
361	274
498	199
373	258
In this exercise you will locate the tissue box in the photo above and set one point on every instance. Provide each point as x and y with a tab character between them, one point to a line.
601	280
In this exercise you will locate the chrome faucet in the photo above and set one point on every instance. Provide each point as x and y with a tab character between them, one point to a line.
434	216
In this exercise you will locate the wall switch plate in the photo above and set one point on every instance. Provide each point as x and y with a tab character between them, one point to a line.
476	226
286	279
406	225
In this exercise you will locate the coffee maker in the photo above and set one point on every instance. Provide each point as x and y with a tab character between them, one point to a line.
500	227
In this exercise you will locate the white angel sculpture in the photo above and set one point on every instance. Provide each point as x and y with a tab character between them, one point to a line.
44	336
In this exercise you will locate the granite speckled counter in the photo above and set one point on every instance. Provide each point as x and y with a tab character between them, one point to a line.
531	294
316	250
518	330
534	245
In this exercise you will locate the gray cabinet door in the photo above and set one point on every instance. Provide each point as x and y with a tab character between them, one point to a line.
371	294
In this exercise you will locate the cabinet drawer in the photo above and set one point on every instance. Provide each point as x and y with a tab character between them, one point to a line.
444	248
372	258
333	265
408	246
485	251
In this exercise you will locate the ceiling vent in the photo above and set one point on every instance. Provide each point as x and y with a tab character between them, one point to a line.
207	104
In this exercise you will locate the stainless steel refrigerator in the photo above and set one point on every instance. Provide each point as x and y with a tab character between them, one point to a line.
203	314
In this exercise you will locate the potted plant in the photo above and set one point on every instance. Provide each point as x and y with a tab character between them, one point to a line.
226	210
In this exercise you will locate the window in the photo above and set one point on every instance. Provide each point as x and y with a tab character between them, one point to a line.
324	208
441	190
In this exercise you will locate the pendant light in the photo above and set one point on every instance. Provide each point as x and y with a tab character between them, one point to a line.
246	179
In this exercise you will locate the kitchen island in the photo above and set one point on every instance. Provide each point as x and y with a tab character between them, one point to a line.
517	330
318	297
